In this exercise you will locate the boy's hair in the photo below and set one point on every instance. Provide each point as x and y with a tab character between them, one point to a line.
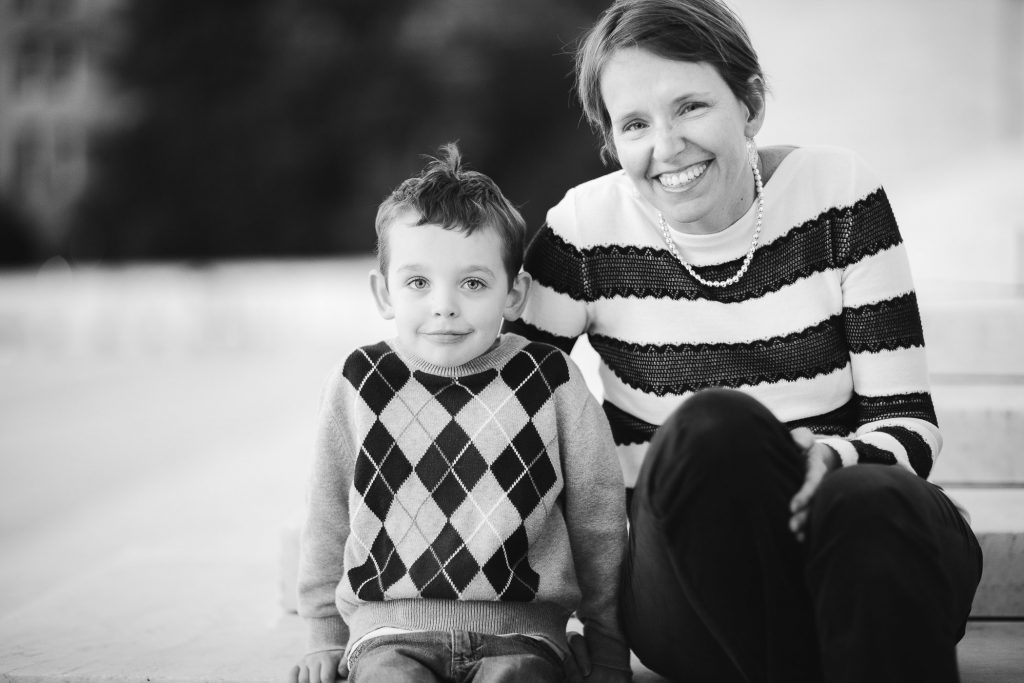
680	30
446	194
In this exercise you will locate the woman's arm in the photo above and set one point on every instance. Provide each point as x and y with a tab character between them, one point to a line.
896	422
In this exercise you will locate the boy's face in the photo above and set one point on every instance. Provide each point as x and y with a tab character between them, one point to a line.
447	291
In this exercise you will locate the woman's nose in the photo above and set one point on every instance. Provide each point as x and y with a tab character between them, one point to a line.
668	143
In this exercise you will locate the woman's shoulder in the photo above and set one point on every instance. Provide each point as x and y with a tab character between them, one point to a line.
834	175
816	158
597	211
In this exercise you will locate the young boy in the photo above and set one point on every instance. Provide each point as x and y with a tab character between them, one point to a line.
465	495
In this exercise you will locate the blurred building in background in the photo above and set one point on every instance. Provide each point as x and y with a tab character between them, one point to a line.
52	95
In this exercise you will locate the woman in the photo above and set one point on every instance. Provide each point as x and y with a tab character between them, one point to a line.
764	373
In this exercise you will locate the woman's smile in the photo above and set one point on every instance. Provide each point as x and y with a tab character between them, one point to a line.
684	179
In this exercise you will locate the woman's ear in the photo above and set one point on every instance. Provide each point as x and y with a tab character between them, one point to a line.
515	301
381	295
755	102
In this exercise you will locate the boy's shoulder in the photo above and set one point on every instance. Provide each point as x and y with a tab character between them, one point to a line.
539	367
366	362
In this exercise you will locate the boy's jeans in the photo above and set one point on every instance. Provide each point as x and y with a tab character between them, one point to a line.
454	657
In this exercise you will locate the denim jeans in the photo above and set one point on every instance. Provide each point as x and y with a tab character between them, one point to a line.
454	657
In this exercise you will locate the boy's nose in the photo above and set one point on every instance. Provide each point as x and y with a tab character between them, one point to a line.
444	307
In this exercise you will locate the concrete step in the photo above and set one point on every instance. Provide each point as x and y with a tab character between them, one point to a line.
973	329
997	517
982	432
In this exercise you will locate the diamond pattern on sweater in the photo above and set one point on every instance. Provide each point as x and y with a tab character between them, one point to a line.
377	373
508	569
524	470
451	467
380	571
445	568
453	470
533	379
380	469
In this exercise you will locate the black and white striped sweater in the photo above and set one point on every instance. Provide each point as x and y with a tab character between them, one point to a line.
824	328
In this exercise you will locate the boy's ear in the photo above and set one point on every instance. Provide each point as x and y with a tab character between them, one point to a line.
381	295
515	302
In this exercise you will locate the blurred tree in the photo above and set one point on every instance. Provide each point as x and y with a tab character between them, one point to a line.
274	127
17	244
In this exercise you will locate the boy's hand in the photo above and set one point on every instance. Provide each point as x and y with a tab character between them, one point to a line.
578	667
320	667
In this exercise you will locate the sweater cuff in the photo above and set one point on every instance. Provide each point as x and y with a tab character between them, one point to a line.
847	453
326	633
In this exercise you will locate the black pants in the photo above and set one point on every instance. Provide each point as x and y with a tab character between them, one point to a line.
717	588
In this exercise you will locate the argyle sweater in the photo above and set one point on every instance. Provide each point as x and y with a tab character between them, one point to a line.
823	328
484	497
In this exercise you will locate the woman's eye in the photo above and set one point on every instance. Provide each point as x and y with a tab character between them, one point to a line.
690	107
633	126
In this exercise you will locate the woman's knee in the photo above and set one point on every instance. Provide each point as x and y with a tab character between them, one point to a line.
717	437
872	502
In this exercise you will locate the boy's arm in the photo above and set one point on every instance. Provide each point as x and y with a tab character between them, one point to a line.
595	512
326	526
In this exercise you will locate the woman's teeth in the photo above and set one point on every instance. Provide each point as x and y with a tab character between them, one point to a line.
683	177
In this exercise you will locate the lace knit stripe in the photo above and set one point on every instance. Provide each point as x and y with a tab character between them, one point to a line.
525	329
679	368
913	405
886	325
918	451
606	271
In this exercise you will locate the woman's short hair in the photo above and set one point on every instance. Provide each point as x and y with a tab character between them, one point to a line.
680	30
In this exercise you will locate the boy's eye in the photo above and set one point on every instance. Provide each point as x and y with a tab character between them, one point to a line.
417	282
474	284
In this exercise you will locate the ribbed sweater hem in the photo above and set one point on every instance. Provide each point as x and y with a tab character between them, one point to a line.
491	617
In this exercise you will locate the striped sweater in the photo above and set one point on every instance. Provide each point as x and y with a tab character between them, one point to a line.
482	497
823	329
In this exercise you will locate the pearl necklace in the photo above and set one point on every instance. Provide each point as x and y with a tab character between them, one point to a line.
665	231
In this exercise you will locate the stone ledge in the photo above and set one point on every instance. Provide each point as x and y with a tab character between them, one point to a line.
997	517
982	428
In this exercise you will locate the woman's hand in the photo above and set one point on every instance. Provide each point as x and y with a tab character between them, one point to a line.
821	460
320	667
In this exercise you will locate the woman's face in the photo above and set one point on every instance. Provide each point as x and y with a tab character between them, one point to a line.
680	135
